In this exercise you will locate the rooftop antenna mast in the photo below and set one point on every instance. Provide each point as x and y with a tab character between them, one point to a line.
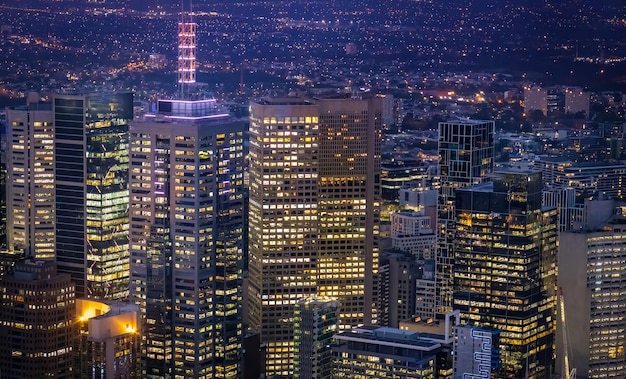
187	43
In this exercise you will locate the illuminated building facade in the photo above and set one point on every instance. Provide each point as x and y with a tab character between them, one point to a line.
414	232
593	178
349	199
466	151
283	219
592	272
505	269
369	352
109	340
187	204
314	211
30	193
37	329
91	164
316	321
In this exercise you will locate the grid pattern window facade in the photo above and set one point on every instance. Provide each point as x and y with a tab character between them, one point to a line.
466	149
186	191
30	190
283	222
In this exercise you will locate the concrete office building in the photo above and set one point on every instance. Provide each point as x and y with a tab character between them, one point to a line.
37	328
109	341
186	238
371	351
30	177
592	269
314	211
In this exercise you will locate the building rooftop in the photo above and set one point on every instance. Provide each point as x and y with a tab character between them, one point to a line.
284	101
388	335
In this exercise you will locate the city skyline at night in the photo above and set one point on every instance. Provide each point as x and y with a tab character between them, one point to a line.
312	189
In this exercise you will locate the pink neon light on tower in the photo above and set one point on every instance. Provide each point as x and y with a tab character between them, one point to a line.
186	48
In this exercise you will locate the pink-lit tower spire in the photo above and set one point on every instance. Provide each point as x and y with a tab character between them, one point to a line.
186	48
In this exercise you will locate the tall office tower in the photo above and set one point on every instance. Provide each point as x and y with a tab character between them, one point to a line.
592	272
283	219
30	193
109	341
314	210
91	164
37	328
186	237
466	151
349	199
316	321
505	269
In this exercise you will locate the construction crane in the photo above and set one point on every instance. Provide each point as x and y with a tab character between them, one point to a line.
568	373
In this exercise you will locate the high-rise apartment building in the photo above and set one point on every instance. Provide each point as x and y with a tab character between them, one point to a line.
316	321
30	178
91	164
37	328
535	98
592	272
186	237
466	149
505	269
314	211
576	100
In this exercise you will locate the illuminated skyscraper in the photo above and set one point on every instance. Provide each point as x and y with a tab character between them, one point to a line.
186	236
316	321
283	219
91	164
505	269
314	210
30	190
349	197
37	328
465	158
592	276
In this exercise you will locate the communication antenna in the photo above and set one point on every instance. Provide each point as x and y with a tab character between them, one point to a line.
187	43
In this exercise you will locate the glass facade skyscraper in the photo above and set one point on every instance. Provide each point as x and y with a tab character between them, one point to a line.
91	152
505	269
466	149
